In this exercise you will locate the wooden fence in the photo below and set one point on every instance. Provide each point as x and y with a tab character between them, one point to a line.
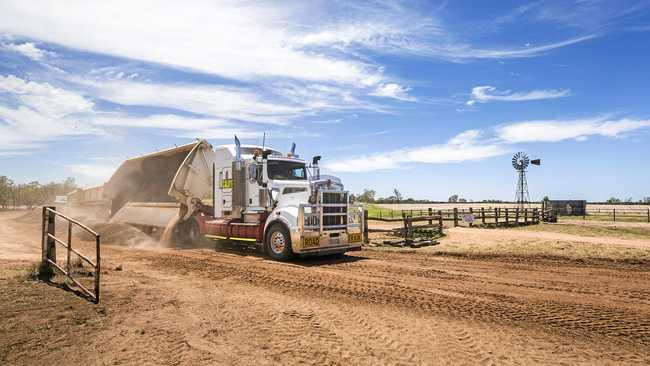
49	241
606	214
470	216
618	214
407	230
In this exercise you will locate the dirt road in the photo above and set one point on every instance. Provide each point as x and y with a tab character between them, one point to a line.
169	307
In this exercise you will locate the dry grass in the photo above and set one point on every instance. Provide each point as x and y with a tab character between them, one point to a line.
596	230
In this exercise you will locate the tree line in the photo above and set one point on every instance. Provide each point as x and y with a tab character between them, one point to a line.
33	193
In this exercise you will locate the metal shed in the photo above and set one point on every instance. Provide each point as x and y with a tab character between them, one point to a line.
567	207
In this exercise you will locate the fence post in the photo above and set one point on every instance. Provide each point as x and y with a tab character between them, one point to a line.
365	226
507	216
69	267
649	215
525	216
614	215
430	216
496	216
44	237
440	220
471	212
98	268
517	215
455	216
50	244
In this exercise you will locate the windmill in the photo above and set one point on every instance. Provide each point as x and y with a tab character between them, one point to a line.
520	162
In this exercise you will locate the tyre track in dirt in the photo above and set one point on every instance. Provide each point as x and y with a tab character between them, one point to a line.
620	325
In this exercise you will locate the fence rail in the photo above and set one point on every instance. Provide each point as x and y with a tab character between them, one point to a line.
49	241
486	216
609	214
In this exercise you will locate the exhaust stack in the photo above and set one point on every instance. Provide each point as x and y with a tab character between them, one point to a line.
315	167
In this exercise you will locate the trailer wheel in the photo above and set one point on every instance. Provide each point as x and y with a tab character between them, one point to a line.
189	234
278	243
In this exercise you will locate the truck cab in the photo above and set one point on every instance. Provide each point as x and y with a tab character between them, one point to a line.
277	201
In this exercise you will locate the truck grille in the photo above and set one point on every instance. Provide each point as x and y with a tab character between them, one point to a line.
335	213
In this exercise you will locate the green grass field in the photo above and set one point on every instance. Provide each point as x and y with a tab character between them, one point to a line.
374	211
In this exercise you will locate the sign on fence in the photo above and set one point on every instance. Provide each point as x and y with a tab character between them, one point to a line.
468	218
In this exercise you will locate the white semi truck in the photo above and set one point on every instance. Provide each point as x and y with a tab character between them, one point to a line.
237	193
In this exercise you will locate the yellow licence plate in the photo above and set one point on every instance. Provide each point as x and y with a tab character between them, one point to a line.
354	237
311	241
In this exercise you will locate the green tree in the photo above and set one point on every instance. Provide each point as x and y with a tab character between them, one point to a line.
6	190
398	195
613	200
368	196
453	198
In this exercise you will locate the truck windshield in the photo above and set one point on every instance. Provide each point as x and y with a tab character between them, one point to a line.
286	170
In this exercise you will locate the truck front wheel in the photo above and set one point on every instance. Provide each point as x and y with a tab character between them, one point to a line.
278	243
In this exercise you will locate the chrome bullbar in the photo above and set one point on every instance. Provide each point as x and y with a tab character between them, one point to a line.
332	212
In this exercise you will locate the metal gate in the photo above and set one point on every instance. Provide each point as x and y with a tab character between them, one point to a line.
49	249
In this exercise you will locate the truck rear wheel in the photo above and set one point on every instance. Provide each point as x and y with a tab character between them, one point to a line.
278	243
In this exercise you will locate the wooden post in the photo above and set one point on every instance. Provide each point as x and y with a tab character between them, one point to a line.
614	215
649	215
430	216
365	226
98	268
526	216
455	216
517	215
405	226
496	216
44	237
50	244
471	212
440	220
69	267
507	216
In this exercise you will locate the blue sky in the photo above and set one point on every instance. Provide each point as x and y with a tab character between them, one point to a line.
428	97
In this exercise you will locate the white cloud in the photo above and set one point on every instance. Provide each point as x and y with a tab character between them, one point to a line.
218	101
27	49
192	127
45	98
485	94
259	41
37	112
394	91
465	146
472	145
33	113
558	130
232	39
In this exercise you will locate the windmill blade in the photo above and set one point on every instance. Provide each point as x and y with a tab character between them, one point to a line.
537	162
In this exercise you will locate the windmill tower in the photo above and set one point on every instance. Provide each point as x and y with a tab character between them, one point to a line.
520	162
